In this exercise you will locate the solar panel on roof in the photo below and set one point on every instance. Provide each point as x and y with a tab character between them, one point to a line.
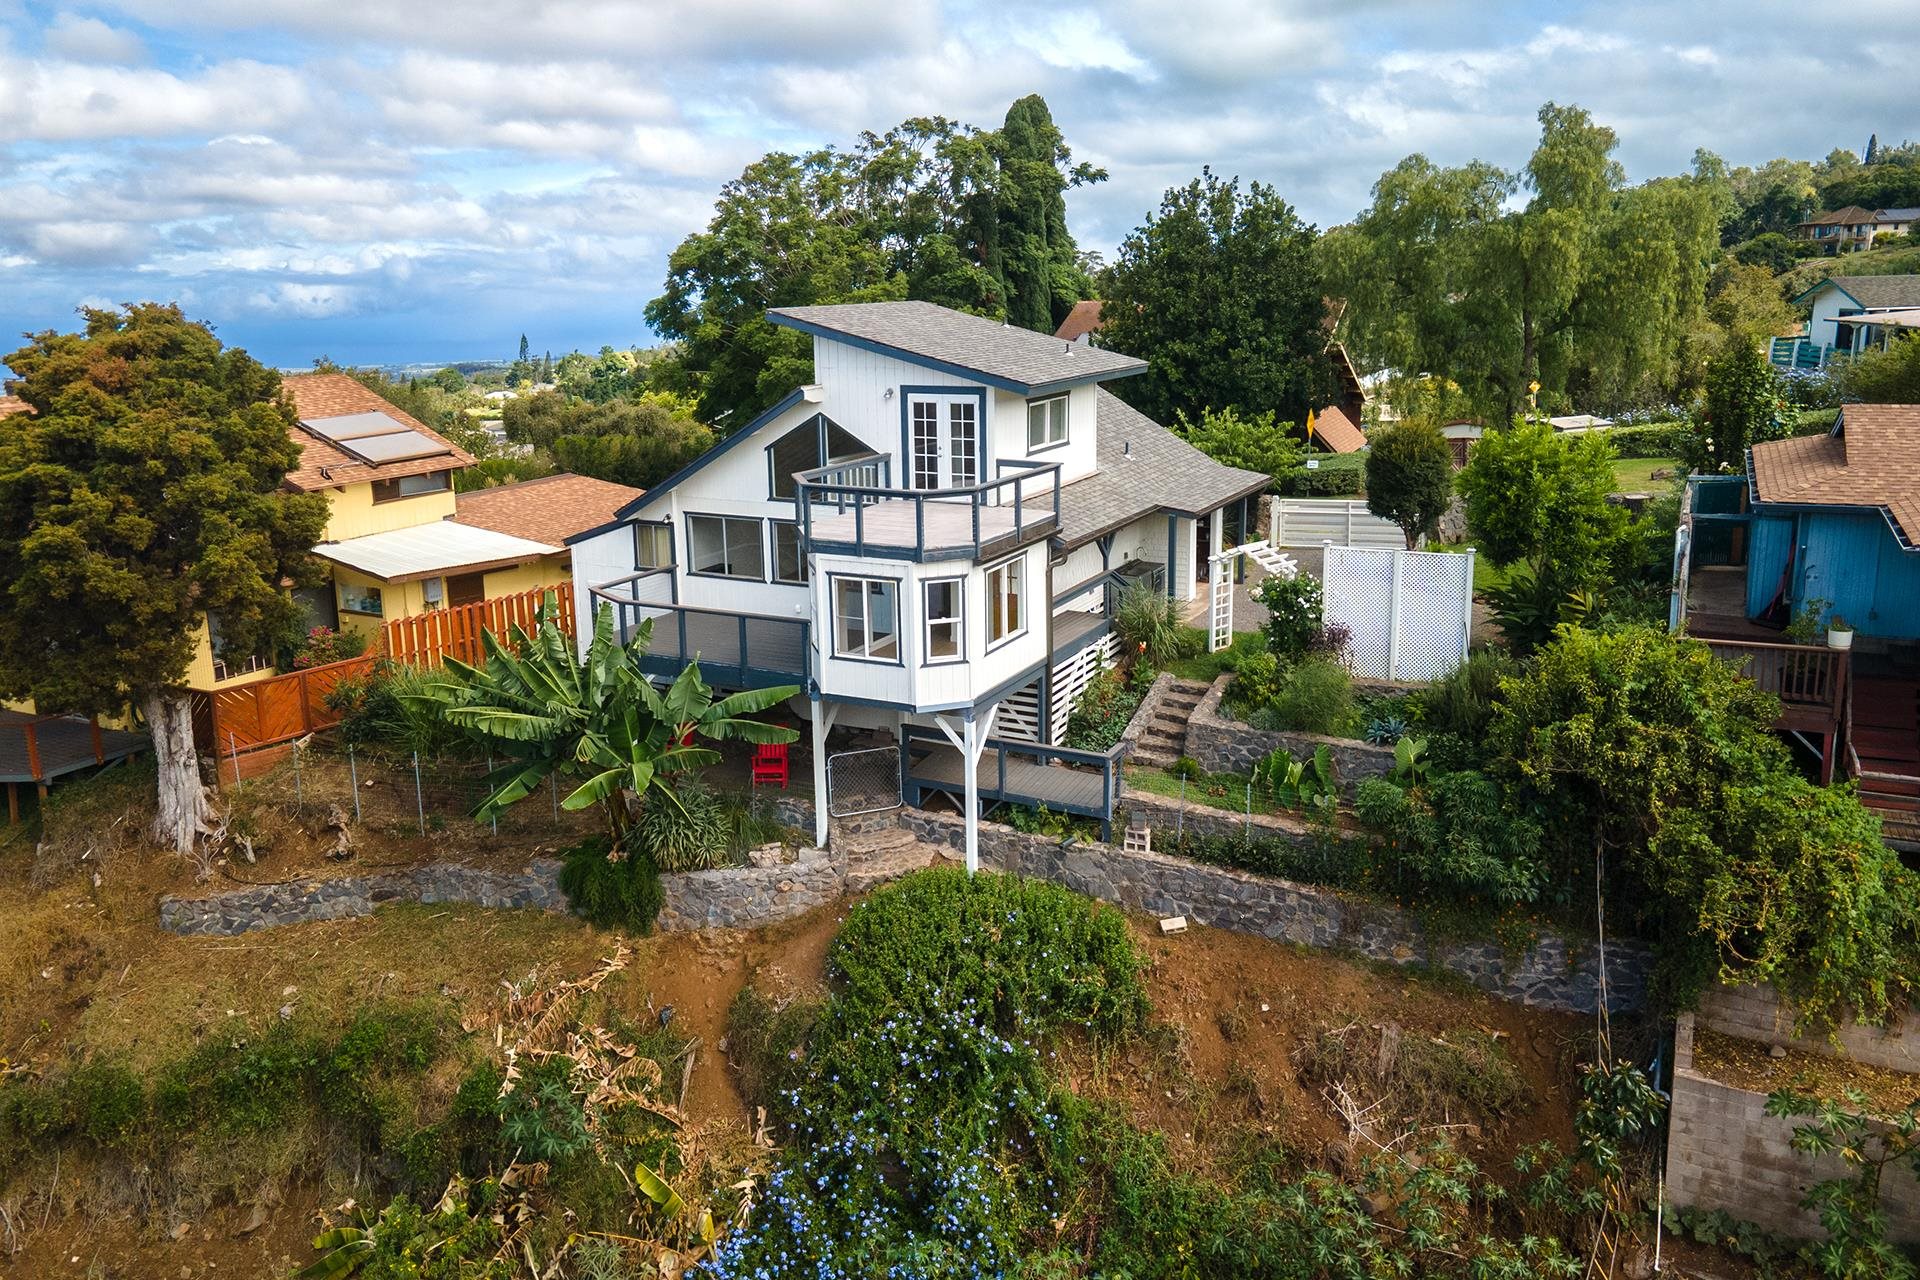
375	438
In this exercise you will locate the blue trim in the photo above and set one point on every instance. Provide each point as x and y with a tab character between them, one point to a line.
773	546
1173	524
692	572
944	366
1824	282
712	455
907	392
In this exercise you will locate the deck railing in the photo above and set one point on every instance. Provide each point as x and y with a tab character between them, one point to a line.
734	650
996	785
879	524
1802	676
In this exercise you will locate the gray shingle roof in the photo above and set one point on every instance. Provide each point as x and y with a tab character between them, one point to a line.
1003	356
1164	473
1879	291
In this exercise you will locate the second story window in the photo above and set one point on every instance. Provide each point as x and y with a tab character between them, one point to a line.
726	546
652	546
945	638
866	618
1046	423
1006	600
411	486
789	561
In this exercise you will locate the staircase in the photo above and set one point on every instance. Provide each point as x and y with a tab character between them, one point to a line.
878	851
1165	738
1884	742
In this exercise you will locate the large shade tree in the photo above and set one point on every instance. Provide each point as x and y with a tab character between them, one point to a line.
1589	289
932	209
141	493
1218	291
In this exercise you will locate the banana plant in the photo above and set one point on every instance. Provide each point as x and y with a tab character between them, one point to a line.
598	719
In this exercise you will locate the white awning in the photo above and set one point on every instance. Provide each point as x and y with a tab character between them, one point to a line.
426	550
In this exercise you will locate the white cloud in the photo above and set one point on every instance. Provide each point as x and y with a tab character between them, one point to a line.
69	101
312	301
91	40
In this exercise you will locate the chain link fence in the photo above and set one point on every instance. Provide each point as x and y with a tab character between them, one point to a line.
865	781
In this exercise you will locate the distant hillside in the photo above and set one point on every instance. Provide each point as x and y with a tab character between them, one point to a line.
1900	261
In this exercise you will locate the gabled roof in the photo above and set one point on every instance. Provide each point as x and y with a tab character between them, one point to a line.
324	464
428	550
1334	430
1081	321
1145	468
1871	458
550	509
1003	356
718	451
1872	291
1852	215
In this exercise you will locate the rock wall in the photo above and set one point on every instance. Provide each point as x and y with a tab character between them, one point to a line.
1144	713
1169	819
337	897
1220	745
745	897
1725	1152
1551	974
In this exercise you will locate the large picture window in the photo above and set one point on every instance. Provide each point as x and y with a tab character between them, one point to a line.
943	609
789	562
817	442
1006	600
727	547
652	546
412	486
1046	423
866	618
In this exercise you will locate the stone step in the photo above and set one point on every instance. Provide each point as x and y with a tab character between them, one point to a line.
1154	757
866	873
872	844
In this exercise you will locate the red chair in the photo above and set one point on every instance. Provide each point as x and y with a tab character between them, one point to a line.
770	763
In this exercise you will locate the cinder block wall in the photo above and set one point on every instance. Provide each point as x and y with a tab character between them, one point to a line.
1752	1013
1725	1152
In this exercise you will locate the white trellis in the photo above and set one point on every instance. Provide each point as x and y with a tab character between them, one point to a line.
1409	614
1220	585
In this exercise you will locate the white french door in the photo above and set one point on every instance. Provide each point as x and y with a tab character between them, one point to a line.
943	441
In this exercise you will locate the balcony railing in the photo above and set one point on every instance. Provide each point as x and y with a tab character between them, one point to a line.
734	650
1085	783
842	511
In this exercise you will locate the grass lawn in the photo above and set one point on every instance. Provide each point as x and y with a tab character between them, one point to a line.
1206	666
1635	475
1485	576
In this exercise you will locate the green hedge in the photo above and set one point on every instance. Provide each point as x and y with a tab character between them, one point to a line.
1657	440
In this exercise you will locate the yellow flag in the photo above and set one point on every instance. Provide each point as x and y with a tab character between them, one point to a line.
1309	426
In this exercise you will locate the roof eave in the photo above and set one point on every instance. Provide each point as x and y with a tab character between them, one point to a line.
719	448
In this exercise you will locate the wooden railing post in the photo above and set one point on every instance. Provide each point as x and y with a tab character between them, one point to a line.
99	749
33	751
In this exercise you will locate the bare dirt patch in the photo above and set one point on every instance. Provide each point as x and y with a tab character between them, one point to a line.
1747	1064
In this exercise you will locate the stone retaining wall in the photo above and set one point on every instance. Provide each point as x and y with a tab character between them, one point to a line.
1143	714
746	897
1725	1152
1166	816
1552	974
1220	745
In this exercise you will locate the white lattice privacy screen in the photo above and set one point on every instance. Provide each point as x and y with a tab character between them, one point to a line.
1410	612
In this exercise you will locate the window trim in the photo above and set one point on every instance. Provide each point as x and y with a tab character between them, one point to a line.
341	605
446	486
833	620
672	556
1064	400
774	525
759	521
984	456
959	619
1025	625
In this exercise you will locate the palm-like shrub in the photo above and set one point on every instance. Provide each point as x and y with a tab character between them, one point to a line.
1150	624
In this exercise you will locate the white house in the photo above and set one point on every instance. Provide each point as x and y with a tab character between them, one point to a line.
1844	309
926	540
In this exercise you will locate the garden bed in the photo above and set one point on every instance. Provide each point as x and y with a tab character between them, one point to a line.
1748	1064
1223	746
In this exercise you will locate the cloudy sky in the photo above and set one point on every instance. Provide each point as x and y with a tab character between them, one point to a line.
378	180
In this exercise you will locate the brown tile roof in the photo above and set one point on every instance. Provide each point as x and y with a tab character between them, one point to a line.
1082	320
10	405
1333	429
550	509
324	464
1871	459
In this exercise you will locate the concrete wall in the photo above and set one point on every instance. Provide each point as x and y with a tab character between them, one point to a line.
1220	745
1724	1152
1551	974
1755	1013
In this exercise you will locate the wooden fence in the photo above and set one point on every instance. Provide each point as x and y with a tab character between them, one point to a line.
428	639
230	722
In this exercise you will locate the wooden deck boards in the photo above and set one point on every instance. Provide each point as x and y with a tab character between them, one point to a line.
1057	786
65	745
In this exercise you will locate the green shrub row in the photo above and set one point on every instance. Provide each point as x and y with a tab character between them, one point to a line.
1656	440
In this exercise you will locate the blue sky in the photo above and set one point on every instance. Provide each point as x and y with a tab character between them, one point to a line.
379	181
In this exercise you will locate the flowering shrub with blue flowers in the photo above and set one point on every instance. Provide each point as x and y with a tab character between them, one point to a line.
926	1135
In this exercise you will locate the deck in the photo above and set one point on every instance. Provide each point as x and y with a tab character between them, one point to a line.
38	749
931	530
1083	783
734	650
1884	744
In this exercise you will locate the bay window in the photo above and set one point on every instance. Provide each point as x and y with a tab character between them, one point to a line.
1006	600
945	630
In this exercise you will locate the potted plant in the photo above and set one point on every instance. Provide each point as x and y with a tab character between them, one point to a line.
1804	627
1839	633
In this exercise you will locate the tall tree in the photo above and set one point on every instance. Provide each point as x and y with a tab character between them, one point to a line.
1588	289
1219	293
931	209
141	494
1409	477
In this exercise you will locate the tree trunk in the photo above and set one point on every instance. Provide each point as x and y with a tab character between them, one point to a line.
184	808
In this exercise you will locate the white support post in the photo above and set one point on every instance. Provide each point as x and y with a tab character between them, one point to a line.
1467	619
1276	520
823	718
1393	618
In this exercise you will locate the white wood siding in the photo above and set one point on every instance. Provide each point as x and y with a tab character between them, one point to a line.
858	383
1077	458
601	558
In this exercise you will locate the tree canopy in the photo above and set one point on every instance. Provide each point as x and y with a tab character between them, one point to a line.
142	494
1409	477
1220	294
634	440
932	209
1588	289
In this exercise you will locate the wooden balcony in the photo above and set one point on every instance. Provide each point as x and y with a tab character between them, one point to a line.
843	512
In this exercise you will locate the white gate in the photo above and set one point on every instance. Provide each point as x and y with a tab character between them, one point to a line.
1409	613
1308	522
